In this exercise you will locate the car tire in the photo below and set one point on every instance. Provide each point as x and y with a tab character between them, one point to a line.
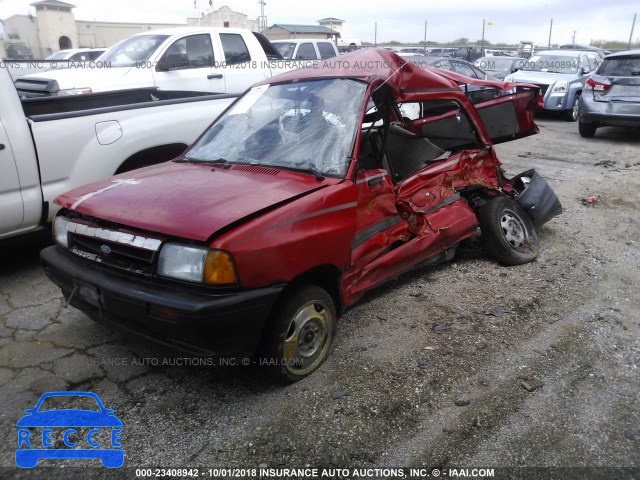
300	333
573	113
508	232
587	130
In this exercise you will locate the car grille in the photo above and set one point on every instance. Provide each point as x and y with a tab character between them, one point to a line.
98	245
543	88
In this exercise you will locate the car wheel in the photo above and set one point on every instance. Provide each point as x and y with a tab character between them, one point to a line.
300	334
587	130
508	232
573	113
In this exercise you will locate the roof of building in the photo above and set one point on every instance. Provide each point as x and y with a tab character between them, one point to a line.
304	28
53	3
331	19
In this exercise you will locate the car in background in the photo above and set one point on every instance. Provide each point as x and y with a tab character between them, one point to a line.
499	66
560	74
440	52
600	51
469	53
18	51
77	54
611	96
452	64
305	49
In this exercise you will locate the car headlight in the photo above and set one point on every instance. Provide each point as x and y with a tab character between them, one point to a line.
561	86
196	264
74	91
60	231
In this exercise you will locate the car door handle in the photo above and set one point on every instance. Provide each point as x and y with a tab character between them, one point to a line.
374	181
1	146
211	76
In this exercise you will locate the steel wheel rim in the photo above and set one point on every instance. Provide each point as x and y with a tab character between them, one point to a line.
513	230
308	337
576	109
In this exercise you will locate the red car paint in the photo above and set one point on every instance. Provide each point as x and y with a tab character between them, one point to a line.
279	225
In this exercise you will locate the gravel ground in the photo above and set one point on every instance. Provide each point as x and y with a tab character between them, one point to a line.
466	364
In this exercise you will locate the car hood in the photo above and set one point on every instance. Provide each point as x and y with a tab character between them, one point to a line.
69	418
544	78
98	79
189	200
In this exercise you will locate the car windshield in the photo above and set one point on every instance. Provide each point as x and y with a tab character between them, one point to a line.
553	63
58	55
307	125
620	67
285	49
69	402
133	50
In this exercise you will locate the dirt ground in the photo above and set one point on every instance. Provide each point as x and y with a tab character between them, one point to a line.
466	364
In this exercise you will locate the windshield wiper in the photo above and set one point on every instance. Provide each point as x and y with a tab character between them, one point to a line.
225	163
313	170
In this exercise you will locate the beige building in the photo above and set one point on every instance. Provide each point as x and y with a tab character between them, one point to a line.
281	31
54	28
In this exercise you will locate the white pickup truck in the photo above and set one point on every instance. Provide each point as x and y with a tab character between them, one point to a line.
50	145
217	60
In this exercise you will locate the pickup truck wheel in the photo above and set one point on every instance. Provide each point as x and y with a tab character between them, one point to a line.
299	337
587	130
573	113
508	232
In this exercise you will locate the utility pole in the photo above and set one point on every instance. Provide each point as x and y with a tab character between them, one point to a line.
375	35
573	38
262	19
632	27
550	29
482	41
424	45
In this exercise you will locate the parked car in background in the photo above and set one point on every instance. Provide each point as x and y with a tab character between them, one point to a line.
440	52
18	51
499	66
452	64
600	51
305	49
217	60
560	74
49	145
469	53
77	54
309	191
611	96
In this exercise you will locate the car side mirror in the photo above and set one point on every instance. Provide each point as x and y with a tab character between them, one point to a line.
584	71
162	66
109	411
29	411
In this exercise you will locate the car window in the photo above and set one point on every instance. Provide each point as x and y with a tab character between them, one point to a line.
463	69
285	49
306	52
79	57
194	51
444	64
326	50
235	50
593	61
94	55
620	67
66	402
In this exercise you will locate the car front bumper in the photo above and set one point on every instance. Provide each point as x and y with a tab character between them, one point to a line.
624	114
195	321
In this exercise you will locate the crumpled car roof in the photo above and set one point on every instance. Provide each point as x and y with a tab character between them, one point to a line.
367	64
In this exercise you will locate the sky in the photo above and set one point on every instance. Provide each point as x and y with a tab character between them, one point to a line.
511	20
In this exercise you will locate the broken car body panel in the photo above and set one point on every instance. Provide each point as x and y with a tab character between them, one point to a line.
343	176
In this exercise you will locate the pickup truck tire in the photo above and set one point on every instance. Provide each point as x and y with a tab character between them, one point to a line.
300	333
573	113
587	130
508	232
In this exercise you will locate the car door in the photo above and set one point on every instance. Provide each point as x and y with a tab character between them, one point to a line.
11	203
189	64
241	70
306	51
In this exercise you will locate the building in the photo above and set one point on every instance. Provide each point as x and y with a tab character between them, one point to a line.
54	27
332	23
281	31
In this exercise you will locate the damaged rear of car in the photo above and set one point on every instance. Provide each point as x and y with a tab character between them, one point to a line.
311	189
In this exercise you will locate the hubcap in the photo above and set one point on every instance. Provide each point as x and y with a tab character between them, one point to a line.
308	337
513	229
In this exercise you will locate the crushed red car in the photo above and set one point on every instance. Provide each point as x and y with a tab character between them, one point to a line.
309	190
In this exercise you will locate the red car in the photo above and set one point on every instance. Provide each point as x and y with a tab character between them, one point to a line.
309	190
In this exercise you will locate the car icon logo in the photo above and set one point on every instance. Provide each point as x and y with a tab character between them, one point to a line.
69	433
106	249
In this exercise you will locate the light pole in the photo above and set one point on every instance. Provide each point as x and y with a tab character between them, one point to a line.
550	29
632	27
424	44
573	38
375	34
